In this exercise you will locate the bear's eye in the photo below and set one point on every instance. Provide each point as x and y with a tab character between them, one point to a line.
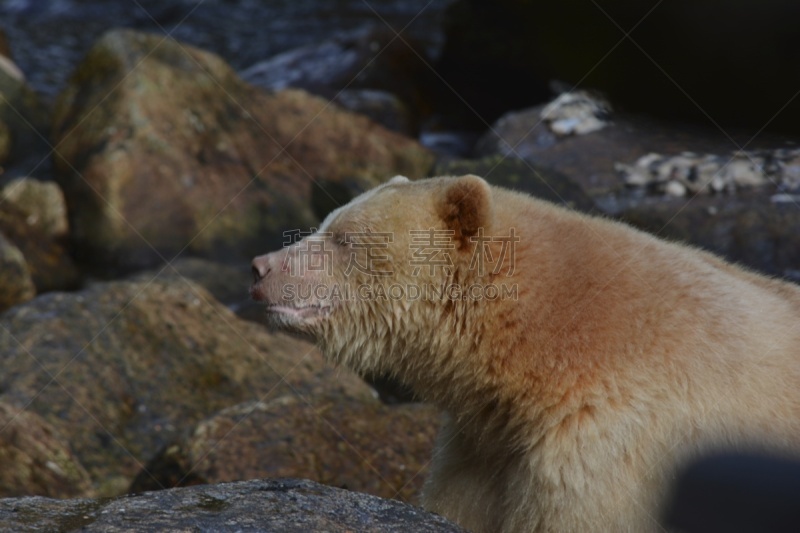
341	239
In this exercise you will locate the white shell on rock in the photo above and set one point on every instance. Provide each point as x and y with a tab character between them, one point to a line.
575	113
708	173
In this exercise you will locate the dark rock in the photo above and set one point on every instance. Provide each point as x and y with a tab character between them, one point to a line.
590	160
23	119
285	506
54	35
749	229
354	444
36	458
381	106
520	175
212	167
683	58
375	59
120	369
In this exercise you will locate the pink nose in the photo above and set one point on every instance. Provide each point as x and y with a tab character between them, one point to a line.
261	267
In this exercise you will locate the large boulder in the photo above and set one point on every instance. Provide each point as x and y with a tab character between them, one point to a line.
269	506
120	369
349	443
163	149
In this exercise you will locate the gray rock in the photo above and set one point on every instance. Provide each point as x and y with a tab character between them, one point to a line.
280	506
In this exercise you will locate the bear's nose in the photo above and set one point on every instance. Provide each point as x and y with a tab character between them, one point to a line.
260	267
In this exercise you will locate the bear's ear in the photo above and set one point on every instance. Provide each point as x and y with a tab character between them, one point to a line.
466	206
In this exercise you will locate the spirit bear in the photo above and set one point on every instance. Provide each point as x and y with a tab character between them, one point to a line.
578	361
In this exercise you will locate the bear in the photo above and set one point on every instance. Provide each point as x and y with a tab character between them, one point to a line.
578	362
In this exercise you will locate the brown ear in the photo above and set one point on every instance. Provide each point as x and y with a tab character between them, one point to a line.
466	206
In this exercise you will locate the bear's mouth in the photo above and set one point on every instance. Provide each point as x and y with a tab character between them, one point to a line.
299	311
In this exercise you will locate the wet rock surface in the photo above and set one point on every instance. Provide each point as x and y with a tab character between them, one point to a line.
354	444
259	506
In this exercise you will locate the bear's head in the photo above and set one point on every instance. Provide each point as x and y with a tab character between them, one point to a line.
386	275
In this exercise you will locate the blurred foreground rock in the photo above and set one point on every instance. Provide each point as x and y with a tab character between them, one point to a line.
348	443
164	150
269	506
120	369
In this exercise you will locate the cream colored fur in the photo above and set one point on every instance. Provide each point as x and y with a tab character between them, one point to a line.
570	408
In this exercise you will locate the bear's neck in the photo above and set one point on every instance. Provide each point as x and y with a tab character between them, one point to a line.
453	365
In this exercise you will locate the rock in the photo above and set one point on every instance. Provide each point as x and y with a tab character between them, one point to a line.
749	228
16	285
213	167
286	506
41	202
373	58
56	35
381	106
353	444
671	60
520	175
122	368
33	217
593	160
36	458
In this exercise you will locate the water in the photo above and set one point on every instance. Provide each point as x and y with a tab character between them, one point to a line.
49	37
